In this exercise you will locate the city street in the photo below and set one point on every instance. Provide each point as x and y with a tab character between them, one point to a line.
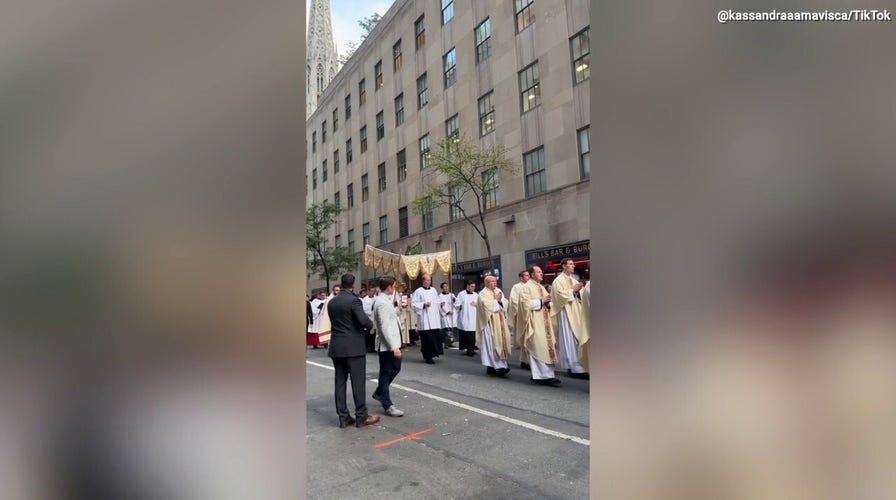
464	434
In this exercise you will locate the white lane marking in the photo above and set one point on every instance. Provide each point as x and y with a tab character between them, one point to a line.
480	411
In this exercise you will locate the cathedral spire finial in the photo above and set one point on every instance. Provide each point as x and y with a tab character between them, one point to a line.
321	63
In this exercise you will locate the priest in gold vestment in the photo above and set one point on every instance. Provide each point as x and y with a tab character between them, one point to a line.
492	332
567	319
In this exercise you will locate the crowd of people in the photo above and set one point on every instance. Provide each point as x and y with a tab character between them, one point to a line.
547	324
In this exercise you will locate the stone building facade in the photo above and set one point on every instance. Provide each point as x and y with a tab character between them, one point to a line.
514	72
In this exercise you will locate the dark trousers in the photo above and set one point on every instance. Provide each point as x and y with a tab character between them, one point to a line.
370	339
466	340
355	367
429	344
389	368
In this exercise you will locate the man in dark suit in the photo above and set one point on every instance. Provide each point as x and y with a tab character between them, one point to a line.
349	352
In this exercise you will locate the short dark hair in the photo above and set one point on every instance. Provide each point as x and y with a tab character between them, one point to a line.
524	271
386	282
443	284
469	282
565	260
347	281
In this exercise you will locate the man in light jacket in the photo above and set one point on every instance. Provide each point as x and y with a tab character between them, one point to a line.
388	343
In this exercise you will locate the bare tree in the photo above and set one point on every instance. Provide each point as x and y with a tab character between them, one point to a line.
458	171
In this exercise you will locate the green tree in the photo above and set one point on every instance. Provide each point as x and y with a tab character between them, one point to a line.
458	172
368	23
325	260
349	52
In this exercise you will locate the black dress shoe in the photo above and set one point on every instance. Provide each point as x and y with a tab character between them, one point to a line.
525	366
470	353
553	382
345	422
583	376
490	371
430	362
504	371
371	419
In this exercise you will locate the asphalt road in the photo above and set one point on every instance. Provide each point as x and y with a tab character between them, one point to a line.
464	434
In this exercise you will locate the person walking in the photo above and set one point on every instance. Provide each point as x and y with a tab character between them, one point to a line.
425	301
367	300
514	318
349	353
491	328
466	318
567	320
448	314
388	343
538	334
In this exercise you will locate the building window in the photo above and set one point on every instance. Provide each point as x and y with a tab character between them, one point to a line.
424	151
351	240
396	56
365	189
449	65
348	106
524	14
490	183
483	36
324	170
399	109
350	195
419	33
454	206
336	161
581	55
384	230
422	97
585	153
348	151
363	139
378	75
362	93
365	233
337	200
403	222
337	241
427	216
380	126
381	177
402	166
314	179
533	164
335	119
486	114
447	11
314	142
323	132
530	90
451	128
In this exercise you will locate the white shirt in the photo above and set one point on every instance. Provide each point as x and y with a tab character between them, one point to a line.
427	317
446	308
367	302
466	315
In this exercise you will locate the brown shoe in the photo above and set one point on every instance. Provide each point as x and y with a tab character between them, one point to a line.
345	422
371	419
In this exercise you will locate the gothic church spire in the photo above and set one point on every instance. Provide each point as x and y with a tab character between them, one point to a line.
321	56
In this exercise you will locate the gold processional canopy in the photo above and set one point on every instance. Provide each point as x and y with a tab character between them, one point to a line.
410	265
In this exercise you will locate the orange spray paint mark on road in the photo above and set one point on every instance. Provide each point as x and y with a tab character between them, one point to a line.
414	437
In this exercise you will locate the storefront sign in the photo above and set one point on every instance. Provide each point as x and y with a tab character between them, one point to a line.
475	266
573	250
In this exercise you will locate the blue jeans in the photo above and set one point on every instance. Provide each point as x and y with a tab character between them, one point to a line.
389	368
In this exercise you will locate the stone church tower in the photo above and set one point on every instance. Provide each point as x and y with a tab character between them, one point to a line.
321	65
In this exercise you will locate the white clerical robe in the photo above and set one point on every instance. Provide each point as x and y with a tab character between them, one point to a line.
566	314
447	311
427	317
465	304
367	304
316	310
492	330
